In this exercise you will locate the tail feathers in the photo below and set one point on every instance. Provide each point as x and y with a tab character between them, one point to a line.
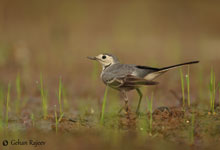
153	75
178	65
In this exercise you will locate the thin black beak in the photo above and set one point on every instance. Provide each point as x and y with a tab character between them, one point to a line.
92	58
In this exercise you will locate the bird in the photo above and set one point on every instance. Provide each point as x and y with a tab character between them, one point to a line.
127	77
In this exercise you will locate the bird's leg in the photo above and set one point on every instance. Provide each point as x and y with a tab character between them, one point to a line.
125	100
140	98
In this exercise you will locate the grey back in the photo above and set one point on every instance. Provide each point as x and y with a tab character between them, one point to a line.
119	70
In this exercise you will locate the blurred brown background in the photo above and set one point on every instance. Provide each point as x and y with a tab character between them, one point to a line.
54	37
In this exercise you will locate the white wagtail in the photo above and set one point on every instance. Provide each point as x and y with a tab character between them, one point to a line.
126	77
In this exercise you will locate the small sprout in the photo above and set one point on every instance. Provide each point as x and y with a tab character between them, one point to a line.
44	97
219	91
32	119
64	96
60	95
212	91
61	117
182	87
1	108
56	119
18	91
188	88
7	103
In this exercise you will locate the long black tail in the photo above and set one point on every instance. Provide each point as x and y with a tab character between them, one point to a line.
158	72
178	65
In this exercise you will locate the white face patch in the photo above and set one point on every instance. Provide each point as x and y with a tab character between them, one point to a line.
105	60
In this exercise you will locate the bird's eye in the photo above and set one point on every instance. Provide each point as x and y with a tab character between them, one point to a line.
103	57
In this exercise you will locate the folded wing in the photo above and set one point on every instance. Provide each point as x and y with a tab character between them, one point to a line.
129	81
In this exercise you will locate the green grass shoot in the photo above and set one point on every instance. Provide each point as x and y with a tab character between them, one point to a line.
60	117
65	101
212	91
60	95
44	96
219	92
150	109
1	102
56	119
192	128
7	104
1	107
104	105
182	87
18	91
32	119
188	88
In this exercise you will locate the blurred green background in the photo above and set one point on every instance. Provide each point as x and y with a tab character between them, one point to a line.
54	37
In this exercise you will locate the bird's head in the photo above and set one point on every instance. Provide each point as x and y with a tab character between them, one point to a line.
105	59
